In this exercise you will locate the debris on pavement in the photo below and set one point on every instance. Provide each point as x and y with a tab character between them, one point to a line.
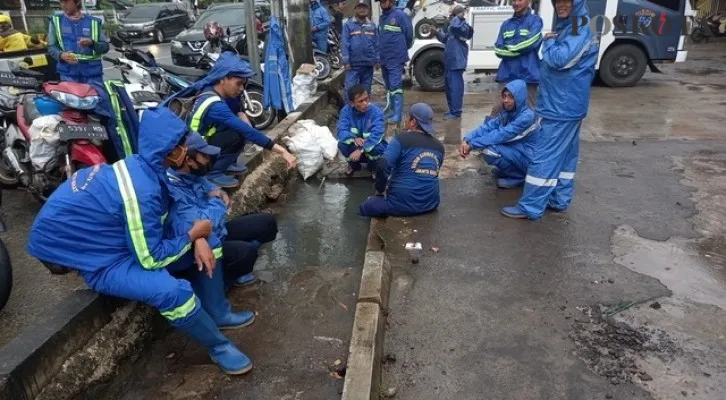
390	393
435	249
655	305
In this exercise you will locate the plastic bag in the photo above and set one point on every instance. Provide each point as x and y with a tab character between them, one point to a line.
327	142
44	139
304	145
304	87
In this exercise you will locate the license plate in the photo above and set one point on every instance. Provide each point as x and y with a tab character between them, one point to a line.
8	79
145	96
81	132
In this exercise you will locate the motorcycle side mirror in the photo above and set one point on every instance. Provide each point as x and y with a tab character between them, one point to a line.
229	32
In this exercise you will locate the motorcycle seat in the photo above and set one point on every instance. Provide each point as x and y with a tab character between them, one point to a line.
185	71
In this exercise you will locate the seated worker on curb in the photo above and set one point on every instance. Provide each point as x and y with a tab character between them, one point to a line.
212	117
407	182
361	131
505	139
106	222
196	198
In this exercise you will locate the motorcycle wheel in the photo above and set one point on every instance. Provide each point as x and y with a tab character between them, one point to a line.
50	185
697	35
8	176
322	65
260	118
336	62
6	275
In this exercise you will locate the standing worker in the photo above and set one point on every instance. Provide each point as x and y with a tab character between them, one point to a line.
456	55
518	46
77	41
396	38
568	67
320	21
360	48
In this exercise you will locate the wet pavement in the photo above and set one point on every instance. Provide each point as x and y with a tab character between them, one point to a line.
621	297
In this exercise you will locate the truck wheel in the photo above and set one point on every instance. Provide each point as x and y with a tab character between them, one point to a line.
425	29
429	70
623	65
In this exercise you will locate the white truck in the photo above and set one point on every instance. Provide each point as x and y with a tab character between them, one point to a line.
634	35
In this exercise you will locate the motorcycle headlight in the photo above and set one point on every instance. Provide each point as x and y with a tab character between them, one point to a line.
73	101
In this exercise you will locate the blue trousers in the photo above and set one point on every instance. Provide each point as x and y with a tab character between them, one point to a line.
83	79
231	144
393	77
511	160
550	177
380	207
370	159
359	75
454	87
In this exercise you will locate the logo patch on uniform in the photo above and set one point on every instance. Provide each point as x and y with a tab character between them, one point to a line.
86	32
393	21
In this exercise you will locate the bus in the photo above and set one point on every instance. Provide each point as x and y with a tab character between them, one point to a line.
634	35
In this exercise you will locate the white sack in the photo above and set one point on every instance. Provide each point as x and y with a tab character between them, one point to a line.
44	139
304	145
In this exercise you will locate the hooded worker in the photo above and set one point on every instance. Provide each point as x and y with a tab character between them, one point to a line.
10	39
77	41
569	56
396	37
213	118
360	48
106	222
506	140
320	22
456	56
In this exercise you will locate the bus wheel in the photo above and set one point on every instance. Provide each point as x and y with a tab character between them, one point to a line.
623	65
429	70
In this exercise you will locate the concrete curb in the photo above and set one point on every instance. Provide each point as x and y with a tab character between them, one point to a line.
363	373
36	356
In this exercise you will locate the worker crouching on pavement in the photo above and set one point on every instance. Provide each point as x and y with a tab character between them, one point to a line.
456	56
407	182
361	131
507	139
77	41
106	222
235	241
360	48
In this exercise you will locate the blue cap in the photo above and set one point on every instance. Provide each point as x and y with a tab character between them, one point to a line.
196	143
362	3
424	115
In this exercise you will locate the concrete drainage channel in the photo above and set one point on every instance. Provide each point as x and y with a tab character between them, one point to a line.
90	339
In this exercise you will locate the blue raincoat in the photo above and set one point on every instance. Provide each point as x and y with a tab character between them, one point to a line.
518	43
370	126
107	223
320	22
456	56
121	120
568	68
277	86
360	51
396	37
507	139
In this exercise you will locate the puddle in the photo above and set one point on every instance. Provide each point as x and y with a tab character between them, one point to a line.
700	71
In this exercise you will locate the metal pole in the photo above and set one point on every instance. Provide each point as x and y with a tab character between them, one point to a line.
251	31
299	33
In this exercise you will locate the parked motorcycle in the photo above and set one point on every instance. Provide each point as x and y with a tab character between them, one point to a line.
334	49
6	269
709	27
75	143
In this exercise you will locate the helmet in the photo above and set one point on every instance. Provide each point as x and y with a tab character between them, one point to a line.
212	31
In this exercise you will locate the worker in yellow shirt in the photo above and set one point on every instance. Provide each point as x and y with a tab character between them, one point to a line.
12	40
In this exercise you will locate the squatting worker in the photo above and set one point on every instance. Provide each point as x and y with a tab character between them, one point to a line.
407	182
107	223
77	41
361	131
518	44
396	38
456	56
360	48
568	68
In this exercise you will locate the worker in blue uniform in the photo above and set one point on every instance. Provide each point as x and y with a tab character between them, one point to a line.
237	240
456	56
360	48
320	23
361	131
212	117
407	182
517	45
396	37
506	141
106	222
569	56
77	42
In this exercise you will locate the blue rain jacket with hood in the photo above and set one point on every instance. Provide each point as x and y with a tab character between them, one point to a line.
121	120
320	21
568	68
456	50
396	37
360	43
277	86
369	125
107	215
507	139
518	44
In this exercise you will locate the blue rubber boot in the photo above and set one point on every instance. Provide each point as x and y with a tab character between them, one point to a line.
200	327
223	181
397	109
245	280
513	212
509	183
237	169
389	112
214	301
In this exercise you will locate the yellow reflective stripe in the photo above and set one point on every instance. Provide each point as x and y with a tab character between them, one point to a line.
217	253
366	135
397	91
371	147
392	28
163	217
119	121
508	34
211	131
372	158
135	223
94	34
354	131
348	141
86	57
199	114
525	43
524	32
181	311
505	53
58	34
